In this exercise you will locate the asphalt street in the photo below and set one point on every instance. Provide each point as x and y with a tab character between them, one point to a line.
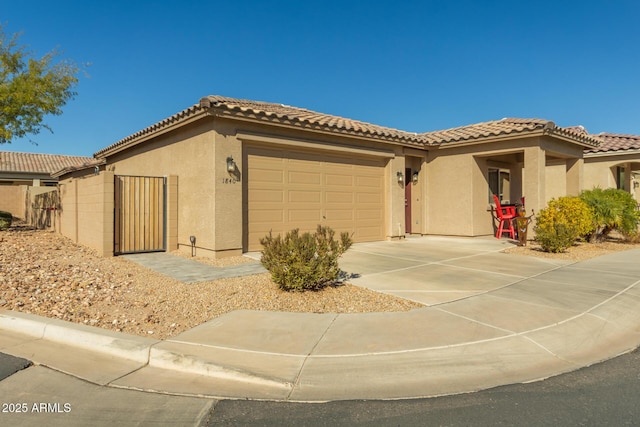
605	394
38	396
9	365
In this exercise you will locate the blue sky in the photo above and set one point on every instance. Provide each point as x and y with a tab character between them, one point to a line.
411	65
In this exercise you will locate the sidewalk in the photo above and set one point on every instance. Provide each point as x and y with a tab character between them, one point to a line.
540	320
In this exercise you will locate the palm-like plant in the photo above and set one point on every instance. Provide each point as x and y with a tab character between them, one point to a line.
613	209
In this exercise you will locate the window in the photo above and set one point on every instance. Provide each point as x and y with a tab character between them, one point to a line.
620	178
499	184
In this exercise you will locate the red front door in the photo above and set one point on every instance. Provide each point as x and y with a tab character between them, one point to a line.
407	200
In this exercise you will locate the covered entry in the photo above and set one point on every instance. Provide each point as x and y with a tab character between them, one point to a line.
289	189
140	211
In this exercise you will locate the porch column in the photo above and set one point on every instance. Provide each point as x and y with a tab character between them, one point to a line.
574	176
533	178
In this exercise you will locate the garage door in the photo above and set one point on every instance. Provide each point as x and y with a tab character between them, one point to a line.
290	189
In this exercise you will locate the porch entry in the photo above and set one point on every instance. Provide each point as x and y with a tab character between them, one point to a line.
140	212
407	200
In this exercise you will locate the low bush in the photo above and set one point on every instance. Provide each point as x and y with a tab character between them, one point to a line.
5	220
612	209
300	262
562	222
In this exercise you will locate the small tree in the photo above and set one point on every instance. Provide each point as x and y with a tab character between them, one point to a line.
299	262
30	89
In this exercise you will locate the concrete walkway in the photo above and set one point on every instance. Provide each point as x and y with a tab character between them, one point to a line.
190	271
493	319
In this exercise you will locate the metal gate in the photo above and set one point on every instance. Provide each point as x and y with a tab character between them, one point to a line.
140	211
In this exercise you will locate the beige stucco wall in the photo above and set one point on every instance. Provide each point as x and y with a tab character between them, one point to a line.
457	192
395	225
416	161
42	207
86	214
600	170
599	173
555	183
450	193
188	157
20	201
12	199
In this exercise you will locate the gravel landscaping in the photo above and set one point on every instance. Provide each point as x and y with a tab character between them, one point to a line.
46	274
579	251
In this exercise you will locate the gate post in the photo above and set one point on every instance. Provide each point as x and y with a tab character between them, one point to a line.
171	234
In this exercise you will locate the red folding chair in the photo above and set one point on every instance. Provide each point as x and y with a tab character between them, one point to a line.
505	215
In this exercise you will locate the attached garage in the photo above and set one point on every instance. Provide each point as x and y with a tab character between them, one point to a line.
235	170
288	188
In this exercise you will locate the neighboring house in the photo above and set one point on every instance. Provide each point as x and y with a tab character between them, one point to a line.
614	164
25	175
512	158
225	172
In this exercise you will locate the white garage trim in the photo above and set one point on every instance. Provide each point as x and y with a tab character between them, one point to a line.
306	143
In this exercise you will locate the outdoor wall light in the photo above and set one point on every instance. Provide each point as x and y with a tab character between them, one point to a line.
400	177
192	239
414	178
231	165
636	184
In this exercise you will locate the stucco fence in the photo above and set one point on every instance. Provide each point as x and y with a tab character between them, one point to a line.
35	205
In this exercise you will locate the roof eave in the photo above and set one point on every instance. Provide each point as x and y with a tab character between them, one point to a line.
70	169
149	133
584	141
555	133
610	153
24	175
252	117
490	138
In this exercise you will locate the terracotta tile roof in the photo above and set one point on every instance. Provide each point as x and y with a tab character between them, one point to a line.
37	163
303	118
616	142
507	127
266	112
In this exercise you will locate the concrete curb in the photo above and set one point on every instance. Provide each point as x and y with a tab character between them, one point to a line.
182	362
86	337
138	349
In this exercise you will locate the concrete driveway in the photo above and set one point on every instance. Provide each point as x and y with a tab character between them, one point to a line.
436	270
494	319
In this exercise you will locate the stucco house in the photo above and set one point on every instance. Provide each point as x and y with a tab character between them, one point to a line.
221	174
615	163
23	176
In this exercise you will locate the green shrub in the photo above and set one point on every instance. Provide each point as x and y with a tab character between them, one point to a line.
5	220
613	209
562	222
557	238
300	262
